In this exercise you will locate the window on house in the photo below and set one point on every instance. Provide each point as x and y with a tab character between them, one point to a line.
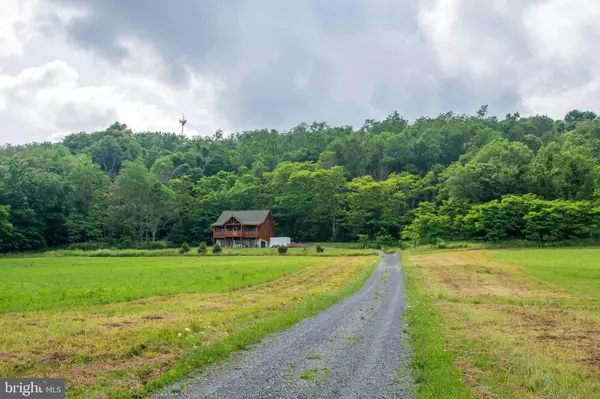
251	229
221	228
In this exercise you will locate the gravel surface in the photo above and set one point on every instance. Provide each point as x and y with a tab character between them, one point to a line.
352	350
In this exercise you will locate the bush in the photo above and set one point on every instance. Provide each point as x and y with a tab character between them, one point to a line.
282	250
184	248
87	246
385	240
158	245
364	240
202	249
216	249
320	249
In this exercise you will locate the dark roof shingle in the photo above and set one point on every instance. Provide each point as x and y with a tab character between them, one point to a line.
245	217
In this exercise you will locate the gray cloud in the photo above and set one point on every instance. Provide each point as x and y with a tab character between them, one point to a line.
281	63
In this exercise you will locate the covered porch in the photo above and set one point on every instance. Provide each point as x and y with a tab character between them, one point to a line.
235	242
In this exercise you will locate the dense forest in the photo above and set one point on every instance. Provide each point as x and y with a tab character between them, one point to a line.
453	177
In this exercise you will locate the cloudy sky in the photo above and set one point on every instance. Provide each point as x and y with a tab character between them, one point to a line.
73	65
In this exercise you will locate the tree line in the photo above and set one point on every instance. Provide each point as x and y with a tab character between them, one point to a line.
455	176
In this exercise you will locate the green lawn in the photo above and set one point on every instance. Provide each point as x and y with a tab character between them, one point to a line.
576	270
59	283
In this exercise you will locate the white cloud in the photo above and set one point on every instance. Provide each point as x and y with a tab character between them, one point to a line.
51	97
69	66
57	137
563	30
586	97
82	91
16	26
564	37
474	37
452	40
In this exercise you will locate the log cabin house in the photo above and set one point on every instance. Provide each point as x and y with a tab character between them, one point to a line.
242	229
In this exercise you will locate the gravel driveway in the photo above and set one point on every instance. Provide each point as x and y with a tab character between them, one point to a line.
352	350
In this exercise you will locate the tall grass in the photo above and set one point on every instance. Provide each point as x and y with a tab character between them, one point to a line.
507	244
105	253
346	245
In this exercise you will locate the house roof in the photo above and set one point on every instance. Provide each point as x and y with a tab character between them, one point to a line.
245	217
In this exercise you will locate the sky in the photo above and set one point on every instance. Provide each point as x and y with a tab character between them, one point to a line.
79	65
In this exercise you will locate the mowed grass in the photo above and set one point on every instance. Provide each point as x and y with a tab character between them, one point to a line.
509	324
575	270
131	348
61	283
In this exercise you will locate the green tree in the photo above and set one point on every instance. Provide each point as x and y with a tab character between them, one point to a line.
144	203
563	172
498	168
6	229
163	169
87	189
428	227
115	146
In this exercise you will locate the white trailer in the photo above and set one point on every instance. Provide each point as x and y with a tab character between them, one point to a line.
276	242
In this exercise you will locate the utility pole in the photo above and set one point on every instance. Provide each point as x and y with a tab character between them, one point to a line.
183	121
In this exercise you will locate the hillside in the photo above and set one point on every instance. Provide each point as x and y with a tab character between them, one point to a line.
442	177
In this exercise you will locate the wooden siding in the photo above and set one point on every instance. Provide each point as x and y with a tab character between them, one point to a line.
263	231
235	234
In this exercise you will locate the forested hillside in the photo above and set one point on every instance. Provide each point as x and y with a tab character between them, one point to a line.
449	177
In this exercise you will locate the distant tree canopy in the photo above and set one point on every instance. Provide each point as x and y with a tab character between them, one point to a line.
449	177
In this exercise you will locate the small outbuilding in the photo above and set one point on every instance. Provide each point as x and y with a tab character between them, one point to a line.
280	242
243	229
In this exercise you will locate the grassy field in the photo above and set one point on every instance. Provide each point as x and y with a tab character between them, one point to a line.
507	324
130	347
574	270
111	253
61	283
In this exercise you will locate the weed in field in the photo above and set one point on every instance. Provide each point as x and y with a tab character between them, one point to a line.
353	338
386	275
316	375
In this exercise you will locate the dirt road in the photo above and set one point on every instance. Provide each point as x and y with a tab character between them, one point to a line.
352	350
